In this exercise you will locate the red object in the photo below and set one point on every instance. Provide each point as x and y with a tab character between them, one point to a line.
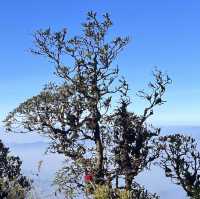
88	178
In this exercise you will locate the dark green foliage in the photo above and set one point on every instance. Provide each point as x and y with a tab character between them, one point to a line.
181	161
12	183
134	140
134	148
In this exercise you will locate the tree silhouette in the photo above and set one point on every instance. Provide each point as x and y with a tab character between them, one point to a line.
180	159
133	139
76	112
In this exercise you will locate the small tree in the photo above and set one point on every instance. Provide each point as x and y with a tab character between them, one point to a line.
181	161
12	183
76	112
134	140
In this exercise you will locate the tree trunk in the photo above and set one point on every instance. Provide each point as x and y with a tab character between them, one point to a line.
99	155
128	182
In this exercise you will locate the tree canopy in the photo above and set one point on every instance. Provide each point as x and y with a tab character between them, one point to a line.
180	160
104	141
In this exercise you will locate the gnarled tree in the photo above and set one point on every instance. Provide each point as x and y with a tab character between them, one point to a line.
76	112
133	139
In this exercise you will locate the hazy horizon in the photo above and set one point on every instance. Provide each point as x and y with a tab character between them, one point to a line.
33	152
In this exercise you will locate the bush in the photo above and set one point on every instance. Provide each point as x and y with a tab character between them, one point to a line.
137	192
13	185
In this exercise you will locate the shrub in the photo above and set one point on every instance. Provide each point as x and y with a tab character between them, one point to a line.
13	185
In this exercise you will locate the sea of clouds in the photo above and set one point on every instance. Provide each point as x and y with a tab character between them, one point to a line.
31	149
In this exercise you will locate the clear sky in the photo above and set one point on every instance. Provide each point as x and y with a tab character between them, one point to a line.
164	34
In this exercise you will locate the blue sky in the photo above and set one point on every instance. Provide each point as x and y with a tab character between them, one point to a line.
163	33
